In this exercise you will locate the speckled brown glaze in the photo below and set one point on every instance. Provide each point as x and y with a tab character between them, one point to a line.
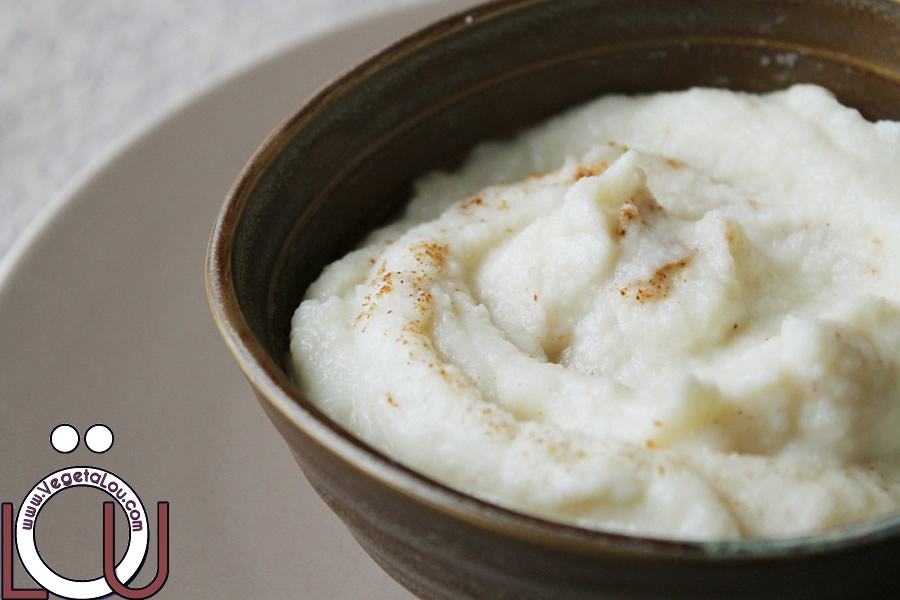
342	163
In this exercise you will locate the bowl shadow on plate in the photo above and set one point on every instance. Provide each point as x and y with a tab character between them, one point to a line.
344	161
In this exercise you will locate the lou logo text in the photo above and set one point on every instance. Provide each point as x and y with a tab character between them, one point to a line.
115	578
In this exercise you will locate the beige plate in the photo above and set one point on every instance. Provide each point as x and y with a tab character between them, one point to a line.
103	318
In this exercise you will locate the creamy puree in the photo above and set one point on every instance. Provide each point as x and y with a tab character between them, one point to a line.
673	315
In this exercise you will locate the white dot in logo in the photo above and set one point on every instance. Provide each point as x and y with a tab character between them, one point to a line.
99	438
64	438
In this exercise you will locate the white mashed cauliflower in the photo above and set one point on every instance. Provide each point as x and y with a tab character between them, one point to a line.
674	315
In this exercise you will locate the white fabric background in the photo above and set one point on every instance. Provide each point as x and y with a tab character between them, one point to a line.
78	78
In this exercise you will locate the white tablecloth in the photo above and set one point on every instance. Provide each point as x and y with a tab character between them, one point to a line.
79	78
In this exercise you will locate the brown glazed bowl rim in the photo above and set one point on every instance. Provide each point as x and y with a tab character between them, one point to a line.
282	395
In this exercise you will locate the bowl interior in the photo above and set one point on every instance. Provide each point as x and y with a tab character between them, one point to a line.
345	160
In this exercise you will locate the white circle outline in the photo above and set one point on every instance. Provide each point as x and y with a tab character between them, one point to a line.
65	427
30	557
100	429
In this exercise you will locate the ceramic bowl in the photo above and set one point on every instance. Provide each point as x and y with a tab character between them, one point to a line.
344	160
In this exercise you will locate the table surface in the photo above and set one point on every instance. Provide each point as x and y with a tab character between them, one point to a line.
80	79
